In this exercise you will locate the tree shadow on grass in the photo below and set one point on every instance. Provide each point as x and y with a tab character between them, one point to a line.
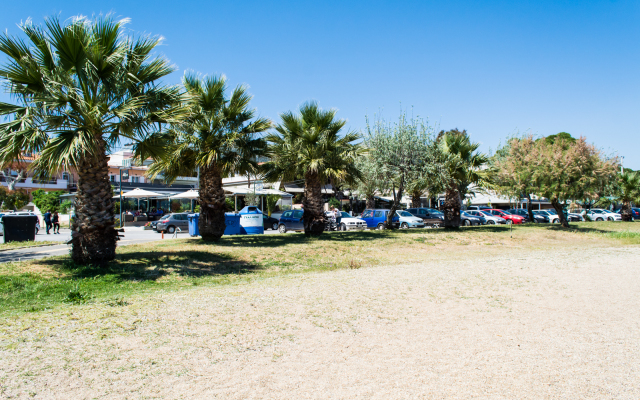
153	265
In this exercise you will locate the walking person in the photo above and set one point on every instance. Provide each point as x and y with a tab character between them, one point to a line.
56	223
47	220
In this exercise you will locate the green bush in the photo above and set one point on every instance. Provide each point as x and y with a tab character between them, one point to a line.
13	200
335	203
65	206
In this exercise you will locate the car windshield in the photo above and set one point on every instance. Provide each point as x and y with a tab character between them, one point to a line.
596	211
552	212
345	215
404	214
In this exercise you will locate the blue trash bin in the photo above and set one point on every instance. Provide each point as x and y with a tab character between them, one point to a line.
251	221
194	228
232	223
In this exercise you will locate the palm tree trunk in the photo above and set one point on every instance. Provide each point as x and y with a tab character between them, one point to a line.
371	202
415	200
452	207
625	211
558	207
212	204
313	216
93	234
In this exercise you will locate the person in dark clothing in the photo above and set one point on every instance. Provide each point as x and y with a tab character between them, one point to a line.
56	223
47	220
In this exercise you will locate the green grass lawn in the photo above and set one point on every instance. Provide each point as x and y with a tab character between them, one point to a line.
180	264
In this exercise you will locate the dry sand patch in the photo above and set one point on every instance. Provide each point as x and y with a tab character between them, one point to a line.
561	324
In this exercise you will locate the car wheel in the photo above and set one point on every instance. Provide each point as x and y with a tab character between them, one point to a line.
282	229
171	229
380	227
599	219
274	226
491	222
343	227
466	222
404	225
610	219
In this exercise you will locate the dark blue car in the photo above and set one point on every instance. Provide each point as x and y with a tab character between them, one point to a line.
376	218
291	220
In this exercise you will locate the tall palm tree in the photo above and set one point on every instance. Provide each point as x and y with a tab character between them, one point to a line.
308	146
464	168
81	89
216	138
628	191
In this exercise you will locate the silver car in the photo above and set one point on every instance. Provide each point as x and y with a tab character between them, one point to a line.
170	222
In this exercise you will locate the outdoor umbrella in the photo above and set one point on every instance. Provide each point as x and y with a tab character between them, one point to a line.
189	194
138	193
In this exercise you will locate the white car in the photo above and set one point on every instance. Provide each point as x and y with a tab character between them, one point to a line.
553	217
19	213
407	220
491	219
349	223
599	214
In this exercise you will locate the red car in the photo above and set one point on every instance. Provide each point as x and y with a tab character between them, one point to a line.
511	218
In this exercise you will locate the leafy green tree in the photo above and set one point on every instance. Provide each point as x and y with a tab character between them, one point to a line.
514	166
47	201
464	167
405	153
308	145
371	182
569	170
218	138
80	89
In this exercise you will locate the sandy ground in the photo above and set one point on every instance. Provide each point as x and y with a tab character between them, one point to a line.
535	325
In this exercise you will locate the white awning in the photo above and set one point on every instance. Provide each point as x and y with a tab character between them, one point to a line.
297	189
138	193
189	194
263	192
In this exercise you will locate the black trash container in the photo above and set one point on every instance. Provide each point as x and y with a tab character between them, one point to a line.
19	228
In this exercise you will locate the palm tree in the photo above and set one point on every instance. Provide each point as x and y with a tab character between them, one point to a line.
308	146
216	138
628	191
464	168
81	89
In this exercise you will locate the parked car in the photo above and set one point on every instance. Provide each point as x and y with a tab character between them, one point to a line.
467	219
376	218
430	216
599	214
270	222
521	212
408	220
572	217
491	219
18	213
349	223
478	208
553	218
291	220
635	213
169	223
510	218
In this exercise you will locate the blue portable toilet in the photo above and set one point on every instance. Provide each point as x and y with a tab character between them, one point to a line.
194	229
251	221
232	223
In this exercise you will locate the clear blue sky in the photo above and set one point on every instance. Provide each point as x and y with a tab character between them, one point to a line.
491	67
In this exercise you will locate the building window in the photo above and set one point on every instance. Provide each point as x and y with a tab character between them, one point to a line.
135	179
113	178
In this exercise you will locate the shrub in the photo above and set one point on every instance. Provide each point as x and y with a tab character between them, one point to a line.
65	206
335	203
47	201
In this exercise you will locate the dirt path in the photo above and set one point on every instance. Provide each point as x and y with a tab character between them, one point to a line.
536	325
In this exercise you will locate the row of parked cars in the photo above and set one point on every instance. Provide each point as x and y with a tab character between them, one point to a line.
421	217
